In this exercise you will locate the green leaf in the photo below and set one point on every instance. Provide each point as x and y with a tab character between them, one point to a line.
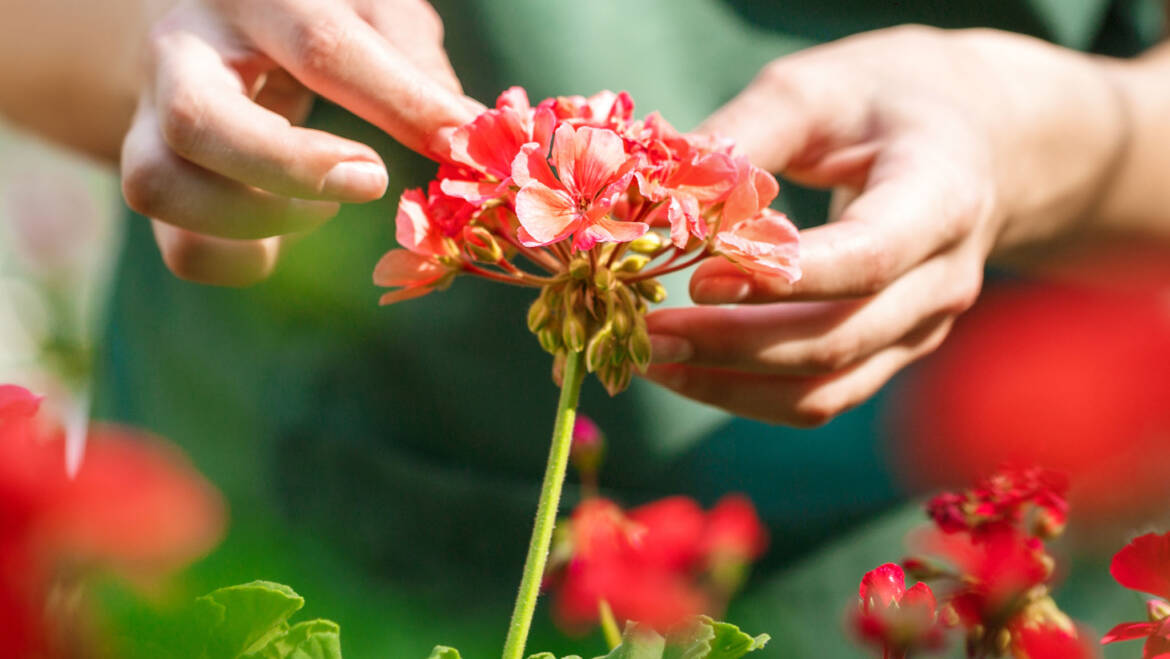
313	639
638	642
549	655
250	616
444	652
705	638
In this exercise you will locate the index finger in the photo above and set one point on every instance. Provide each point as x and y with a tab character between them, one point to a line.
335	53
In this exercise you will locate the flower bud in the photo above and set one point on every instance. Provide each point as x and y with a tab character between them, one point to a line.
538	314
639	347
550	340
600	349
588	448
652	290
633	264
579	267
1003	641
573	333
1157	610
647	243
1047	526
604	280
622	323
482	245
615	377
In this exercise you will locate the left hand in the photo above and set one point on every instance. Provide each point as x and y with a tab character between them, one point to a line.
942	148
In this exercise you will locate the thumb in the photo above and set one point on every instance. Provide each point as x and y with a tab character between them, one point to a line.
797	117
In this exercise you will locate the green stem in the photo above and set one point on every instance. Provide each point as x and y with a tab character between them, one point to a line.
609	625
546	509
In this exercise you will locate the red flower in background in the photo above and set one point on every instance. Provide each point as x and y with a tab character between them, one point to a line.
1052	642
655	564
135	506
1002	500
1144	565
894	618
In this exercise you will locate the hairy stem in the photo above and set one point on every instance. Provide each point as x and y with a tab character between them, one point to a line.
546	509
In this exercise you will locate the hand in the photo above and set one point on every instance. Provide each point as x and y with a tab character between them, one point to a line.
942	148
214	155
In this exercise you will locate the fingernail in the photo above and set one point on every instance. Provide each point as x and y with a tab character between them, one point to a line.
355	180
721	290
669	349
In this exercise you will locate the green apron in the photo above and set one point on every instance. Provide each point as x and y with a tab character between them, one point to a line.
385	461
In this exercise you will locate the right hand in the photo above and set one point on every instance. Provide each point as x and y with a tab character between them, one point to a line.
214	155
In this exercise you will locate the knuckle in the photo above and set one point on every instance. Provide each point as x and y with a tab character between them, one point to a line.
317	45
831	354
876	267
814	411
141	188
183	120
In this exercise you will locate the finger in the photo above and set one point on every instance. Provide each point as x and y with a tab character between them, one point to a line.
416	31
793	114
340	56
207	117
215	261
913	209
285	95
793	400
814	338
159	184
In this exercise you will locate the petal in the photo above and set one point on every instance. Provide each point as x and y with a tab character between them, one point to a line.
606	230
1128	631
399	267
768	244
412	225
490	142
708	179
1144	564
404	294
17	402
882	586
514	98
919	596
475	192
547	215
588	159
531	166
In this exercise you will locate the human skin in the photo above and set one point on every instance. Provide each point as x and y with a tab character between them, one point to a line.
208	94
945	149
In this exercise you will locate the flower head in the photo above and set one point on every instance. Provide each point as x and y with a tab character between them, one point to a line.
895	618
1002	500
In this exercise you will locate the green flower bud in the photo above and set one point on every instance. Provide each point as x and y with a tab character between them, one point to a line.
579	267
633	264
615	378
600	349
573	333
604	280
648	243
538	315
652	290
639	347
622	323
482	245
550	339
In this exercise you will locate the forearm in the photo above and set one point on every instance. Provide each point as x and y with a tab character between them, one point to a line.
69	69
1138	199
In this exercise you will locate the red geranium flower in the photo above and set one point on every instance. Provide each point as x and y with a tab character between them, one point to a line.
1144	565
1051	642
895	618
135	506
1002	500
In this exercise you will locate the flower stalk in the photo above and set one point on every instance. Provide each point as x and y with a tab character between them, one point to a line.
546	509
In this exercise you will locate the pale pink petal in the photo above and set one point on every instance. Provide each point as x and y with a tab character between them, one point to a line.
588	159
475	192
754	190
399	267
606	230
514	98
547	215
531	166
768	244
544	122
708	179
683	213
404	294
1144	564
413	227
1128	631
490	142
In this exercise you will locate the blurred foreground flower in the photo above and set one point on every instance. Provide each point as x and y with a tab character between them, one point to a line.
136	507
895	618
657	564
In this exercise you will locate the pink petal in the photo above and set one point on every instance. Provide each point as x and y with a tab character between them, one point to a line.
490	142
413	227
919	596
1144	564
683	213
547	215
17	402
588	159
514	98
399	267
708	179
1128	631
607	230
476	192
531	166
882	586
768	244
403	294
754	190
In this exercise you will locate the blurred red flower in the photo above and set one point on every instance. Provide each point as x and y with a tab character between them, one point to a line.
656	564
1144	565
136	506
1002	499
1052	642
895	618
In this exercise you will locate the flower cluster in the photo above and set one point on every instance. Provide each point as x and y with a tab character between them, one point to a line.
134	506
657	564
985	560
576	197
1003	500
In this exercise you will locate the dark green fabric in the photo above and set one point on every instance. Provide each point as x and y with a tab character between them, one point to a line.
390	457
